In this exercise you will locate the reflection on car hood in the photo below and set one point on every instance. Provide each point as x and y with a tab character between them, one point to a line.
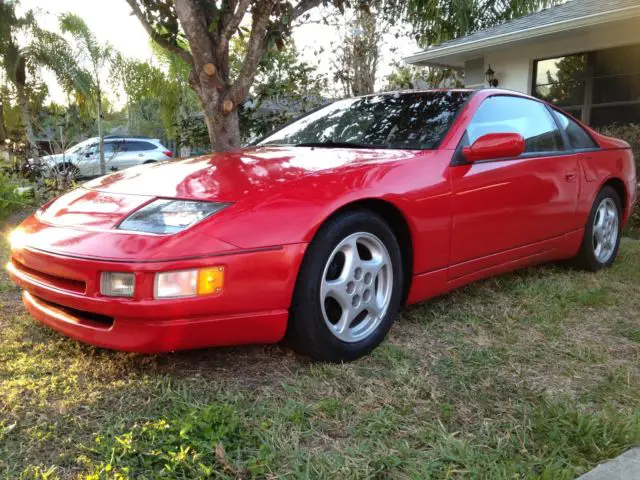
83	208
231	175
55	158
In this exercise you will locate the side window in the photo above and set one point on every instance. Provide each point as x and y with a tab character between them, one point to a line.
91	149
112	147
139	146
531	119
577	135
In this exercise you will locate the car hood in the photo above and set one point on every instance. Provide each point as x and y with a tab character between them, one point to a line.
294	187
230	176
54	158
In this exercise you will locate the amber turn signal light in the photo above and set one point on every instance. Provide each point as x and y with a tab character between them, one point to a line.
210	280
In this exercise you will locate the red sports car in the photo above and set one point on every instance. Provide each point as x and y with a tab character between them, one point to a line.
322	231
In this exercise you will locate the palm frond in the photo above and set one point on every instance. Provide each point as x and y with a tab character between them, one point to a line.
50	50
75	26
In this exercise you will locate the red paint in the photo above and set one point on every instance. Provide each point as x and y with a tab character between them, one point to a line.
505	204
495	145
467	221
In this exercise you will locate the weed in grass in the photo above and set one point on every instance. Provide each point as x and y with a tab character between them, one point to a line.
632	334
195	443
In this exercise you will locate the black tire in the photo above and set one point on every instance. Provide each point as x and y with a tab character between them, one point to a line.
307	331
586	258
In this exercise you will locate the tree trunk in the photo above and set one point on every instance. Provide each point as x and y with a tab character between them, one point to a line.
26	120
209	30
129	117
103	166
3	129
224	129
209	58
182	116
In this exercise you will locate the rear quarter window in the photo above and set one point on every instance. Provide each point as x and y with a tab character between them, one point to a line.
578	136
139	146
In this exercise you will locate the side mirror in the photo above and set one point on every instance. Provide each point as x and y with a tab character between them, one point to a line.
493	146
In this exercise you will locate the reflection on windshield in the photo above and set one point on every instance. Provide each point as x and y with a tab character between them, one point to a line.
79	146
415	120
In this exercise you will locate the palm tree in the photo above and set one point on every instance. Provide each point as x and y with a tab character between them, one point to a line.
43	49
14	62
3	129
96	56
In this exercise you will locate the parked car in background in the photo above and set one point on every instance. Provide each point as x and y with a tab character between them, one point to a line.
327	227
120	153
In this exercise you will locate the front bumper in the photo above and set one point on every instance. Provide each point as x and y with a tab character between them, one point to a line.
64	293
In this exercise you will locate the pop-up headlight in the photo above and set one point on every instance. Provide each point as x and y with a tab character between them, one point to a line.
169	216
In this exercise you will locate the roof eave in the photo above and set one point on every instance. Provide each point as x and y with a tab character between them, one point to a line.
438	55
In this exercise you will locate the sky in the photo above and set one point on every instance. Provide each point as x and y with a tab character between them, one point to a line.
112	22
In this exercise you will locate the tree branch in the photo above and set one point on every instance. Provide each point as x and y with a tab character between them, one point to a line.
256	48
210	10
305	5
193	22
156	37
233	18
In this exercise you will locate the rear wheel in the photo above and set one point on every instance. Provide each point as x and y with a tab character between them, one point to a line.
602	232
349	289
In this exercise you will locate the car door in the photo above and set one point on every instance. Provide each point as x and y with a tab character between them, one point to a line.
505	209
135	152
113	151
88	160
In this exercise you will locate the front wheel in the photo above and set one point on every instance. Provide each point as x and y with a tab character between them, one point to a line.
349	288
68	170
602	233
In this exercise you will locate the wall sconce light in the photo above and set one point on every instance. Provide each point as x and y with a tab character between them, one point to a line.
491	78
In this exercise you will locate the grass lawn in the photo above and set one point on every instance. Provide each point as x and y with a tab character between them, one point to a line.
529	375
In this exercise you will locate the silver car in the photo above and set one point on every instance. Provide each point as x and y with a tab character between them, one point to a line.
83	159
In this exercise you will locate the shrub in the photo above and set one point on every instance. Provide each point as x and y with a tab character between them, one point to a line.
631	134
10	199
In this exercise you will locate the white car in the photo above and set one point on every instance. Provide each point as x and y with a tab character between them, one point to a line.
83	159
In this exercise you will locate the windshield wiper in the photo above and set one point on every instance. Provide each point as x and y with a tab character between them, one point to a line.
332	144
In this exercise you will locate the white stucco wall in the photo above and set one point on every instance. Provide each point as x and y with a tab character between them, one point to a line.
514	63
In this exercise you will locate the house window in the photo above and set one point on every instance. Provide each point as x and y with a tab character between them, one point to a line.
601	87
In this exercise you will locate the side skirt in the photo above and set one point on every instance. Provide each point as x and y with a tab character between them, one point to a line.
431	284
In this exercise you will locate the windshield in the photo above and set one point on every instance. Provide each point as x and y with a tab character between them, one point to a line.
80	146
416	120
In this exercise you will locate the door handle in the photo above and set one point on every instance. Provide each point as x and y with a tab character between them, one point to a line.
571	176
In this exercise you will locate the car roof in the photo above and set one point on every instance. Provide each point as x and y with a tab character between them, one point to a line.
112	138
484	91
414	91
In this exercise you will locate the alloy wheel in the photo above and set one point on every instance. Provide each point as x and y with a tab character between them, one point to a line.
605	230
356	288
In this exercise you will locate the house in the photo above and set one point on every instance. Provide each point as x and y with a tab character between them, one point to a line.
582	55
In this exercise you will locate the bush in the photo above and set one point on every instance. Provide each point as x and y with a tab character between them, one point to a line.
10	199
631	134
